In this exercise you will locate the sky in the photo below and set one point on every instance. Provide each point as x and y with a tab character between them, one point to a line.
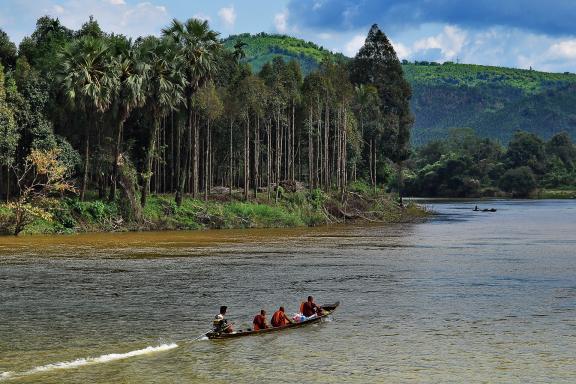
512	33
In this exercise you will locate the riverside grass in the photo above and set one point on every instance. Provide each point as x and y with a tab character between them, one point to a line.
296	209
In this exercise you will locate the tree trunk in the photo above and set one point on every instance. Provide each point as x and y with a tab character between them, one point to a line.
310	152
326	146
178	161
400	182
292	137
231	176
86	164
147	175
256	156
247	158
278	155
195	159
206	162
8	186
268	155
119	131
374	164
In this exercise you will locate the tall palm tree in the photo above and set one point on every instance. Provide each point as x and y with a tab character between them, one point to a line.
198	45
88	80
164	90
130	93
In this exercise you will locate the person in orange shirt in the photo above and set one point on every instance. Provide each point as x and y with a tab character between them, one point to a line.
259	321
279	318
310	308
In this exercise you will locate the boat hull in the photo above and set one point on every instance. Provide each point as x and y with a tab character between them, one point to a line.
329	309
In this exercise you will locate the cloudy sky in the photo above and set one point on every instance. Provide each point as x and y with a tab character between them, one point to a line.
514	33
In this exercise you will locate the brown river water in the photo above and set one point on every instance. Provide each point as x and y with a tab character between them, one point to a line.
465	297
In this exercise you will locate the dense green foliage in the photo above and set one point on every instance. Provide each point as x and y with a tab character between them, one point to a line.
465	165
304	208
494	101
180	114
474	76
262	48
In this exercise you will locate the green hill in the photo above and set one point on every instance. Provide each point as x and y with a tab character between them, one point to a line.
262	48
495	101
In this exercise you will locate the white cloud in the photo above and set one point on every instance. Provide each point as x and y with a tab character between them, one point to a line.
325	36
117	2
354	45
450	42
228	15
563	50
201	16
58	9
317	4
402	51
281	21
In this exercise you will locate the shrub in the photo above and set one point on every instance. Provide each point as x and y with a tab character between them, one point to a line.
317	198
520	182
360	186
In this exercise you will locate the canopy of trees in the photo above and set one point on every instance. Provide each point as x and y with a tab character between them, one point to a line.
181	114
465	165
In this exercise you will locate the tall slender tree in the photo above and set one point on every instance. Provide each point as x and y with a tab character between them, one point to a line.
132	72
377	63
164	87
198	45
86	75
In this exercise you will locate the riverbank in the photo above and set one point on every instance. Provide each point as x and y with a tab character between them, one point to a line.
296	209
556	194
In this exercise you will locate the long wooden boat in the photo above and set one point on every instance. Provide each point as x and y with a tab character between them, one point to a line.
327	311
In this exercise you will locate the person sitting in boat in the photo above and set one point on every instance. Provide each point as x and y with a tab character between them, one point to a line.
309	308
280	319
220	324
259	321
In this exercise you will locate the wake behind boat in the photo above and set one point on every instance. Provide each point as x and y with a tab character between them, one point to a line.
327	310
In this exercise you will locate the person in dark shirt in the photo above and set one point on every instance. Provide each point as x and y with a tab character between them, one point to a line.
220	324
259	321
310	308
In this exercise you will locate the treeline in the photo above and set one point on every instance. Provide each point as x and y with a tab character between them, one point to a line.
179	114
465	165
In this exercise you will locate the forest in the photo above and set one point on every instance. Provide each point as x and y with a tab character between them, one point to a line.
119	121
494	101
466	165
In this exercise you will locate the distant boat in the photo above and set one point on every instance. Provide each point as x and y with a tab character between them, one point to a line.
476	209
327	311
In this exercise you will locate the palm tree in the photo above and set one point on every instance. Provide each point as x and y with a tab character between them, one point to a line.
164	89
130	94
88	80
239	52
198	46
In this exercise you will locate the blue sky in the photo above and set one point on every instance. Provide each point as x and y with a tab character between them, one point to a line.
514	33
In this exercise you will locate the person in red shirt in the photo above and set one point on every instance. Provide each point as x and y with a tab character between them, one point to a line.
310	308
279	318
259	321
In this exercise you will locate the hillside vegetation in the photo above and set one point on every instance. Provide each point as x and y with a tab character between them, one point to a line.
262	48
494	101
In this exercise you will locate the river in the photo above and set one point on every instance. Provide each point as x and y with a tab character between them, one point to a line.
465	297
